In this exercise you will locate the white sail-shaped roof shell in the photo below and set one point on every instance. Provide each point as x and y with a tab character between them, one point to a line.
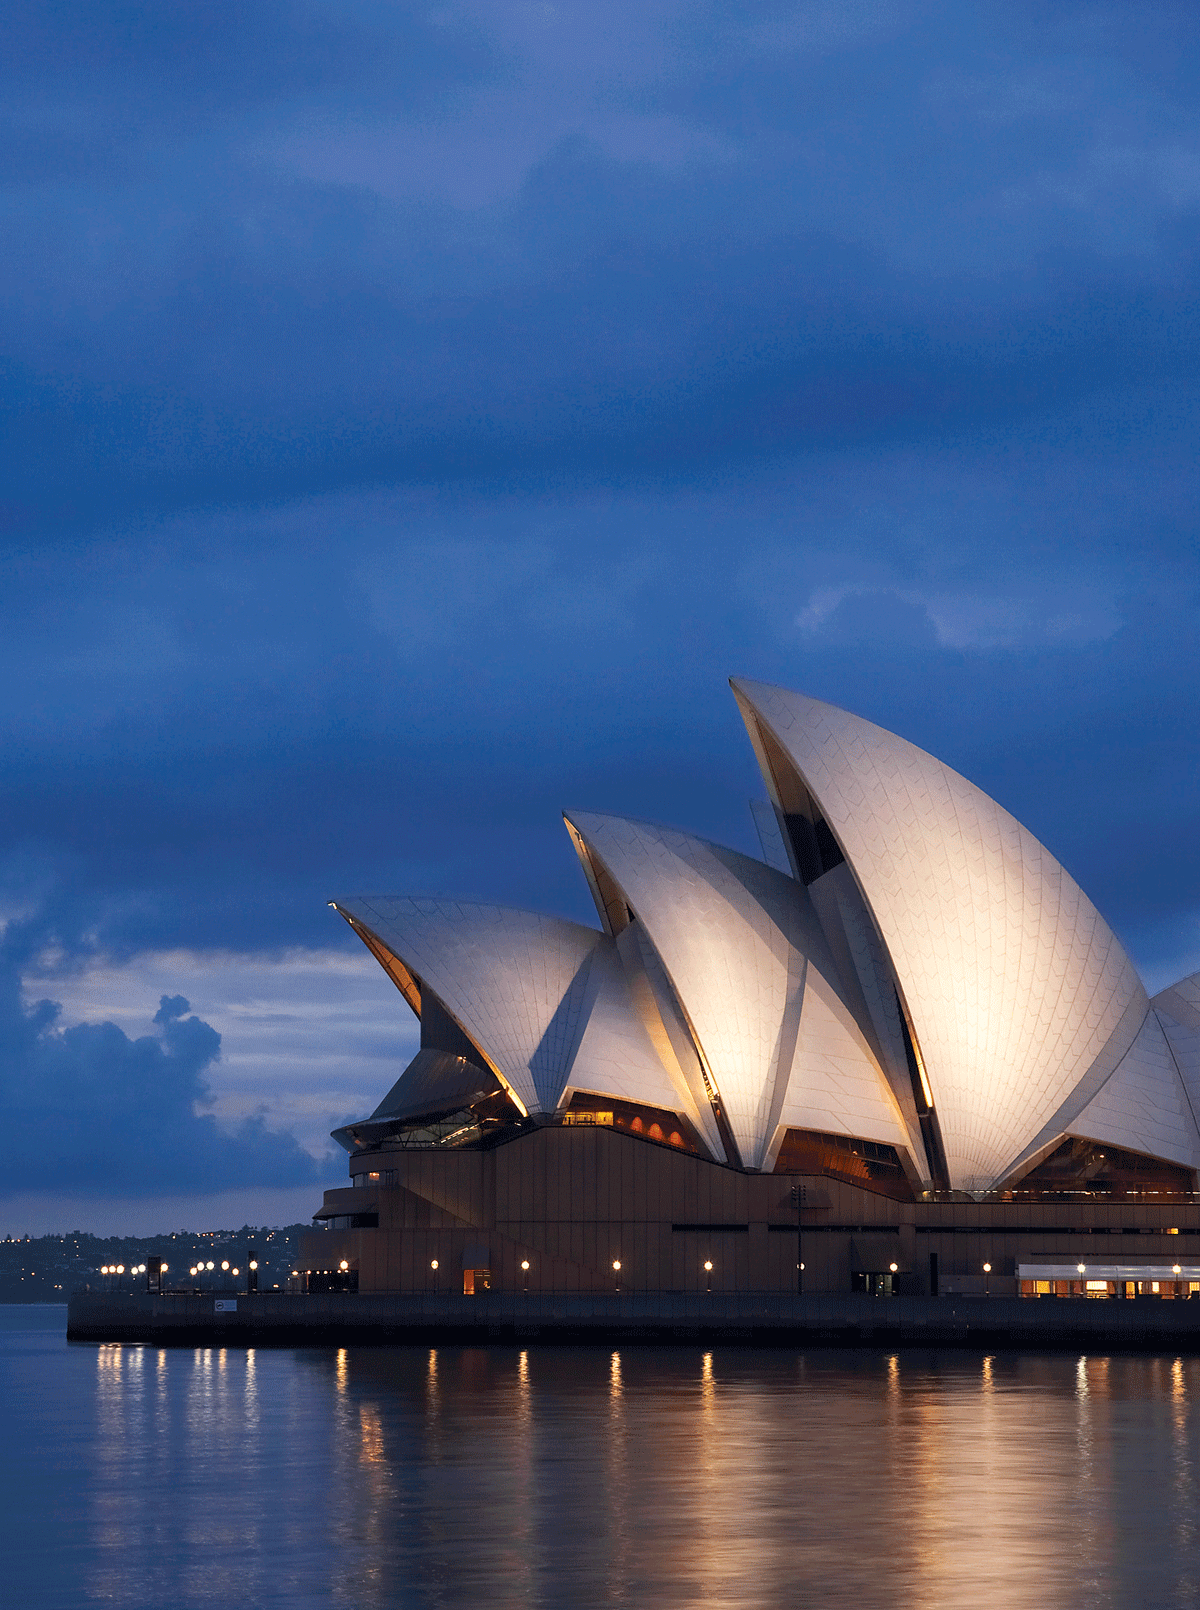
516	982
1178	1010
615	1055
1144	1106
748	964
1013	982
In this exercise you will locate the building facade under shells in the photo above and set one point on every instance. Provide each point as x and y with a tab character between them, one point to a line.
901	1050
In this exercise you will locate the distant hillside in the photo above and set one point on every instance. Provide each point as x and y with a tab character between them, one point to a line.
48	1268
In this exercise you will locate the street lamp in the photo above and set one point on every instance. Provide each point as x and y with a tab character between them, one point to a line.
708	1274
987	1280
798	1194
617	1271
525	1274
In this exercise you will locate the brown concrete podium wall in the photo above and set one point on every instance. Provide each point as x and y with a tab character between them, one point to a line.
572	1200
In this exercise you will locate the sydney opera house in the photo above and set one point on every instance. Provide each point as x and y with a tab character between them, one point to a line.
901	1051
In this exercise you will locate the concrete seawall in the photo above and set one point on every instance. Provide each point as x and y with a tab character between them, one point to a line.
770	1318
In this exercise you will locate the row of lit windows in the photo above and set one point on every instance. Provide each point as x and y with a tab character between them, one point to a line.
1110	1288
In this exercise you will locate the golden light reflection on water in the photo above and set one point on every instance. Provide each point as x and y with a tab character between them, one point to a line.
672	1477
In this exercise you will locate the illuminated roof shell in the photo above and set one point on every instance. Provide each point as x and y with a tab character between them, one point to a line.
1013	982
514	981
749	966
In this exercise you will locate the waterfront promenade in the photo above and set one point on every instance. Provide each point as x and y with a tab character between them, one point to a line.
766	1318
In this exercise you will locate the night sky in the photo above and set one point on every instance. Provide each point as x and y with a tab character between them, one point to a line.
414	414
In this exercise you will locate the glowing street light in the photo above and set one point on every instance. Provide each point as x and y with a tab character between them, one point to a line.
617	1271
708	1274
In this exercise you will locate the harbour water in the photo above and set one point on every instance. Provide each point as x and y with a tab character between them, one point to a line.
373	1476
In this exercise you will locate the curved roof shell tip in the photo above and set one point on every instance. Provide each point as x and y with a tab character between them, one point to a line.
750	968
1014	984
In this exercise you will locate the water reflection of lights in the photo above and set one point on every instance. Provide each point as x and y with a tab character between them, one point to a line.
432	1396
370	1435
974	1468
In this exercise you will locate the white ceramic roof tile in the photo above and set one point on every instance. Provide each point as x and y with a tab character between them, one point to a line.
1185	994
1178	1010
737	939
1144	1106
835	1084
615	1055
770	836
516	981
1013	980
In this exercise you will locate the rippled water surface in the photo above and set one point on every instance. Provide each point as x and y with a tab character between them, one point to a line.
140	1476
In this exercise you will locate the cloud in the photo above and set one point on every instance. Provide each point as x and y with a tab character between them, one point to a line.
1059	617
304	247
87	1110
309	1038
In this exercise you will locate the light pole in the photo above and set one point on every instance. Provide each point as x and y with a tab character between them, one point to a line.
987	1280
708	1274
798	1195
525	1275
617	1271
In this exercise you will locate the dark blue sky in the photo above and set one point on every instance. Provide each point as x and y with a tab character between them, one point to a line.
413	414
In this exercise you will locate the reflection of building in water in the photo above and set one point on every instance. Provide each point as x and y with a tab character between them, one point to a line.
902	1050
